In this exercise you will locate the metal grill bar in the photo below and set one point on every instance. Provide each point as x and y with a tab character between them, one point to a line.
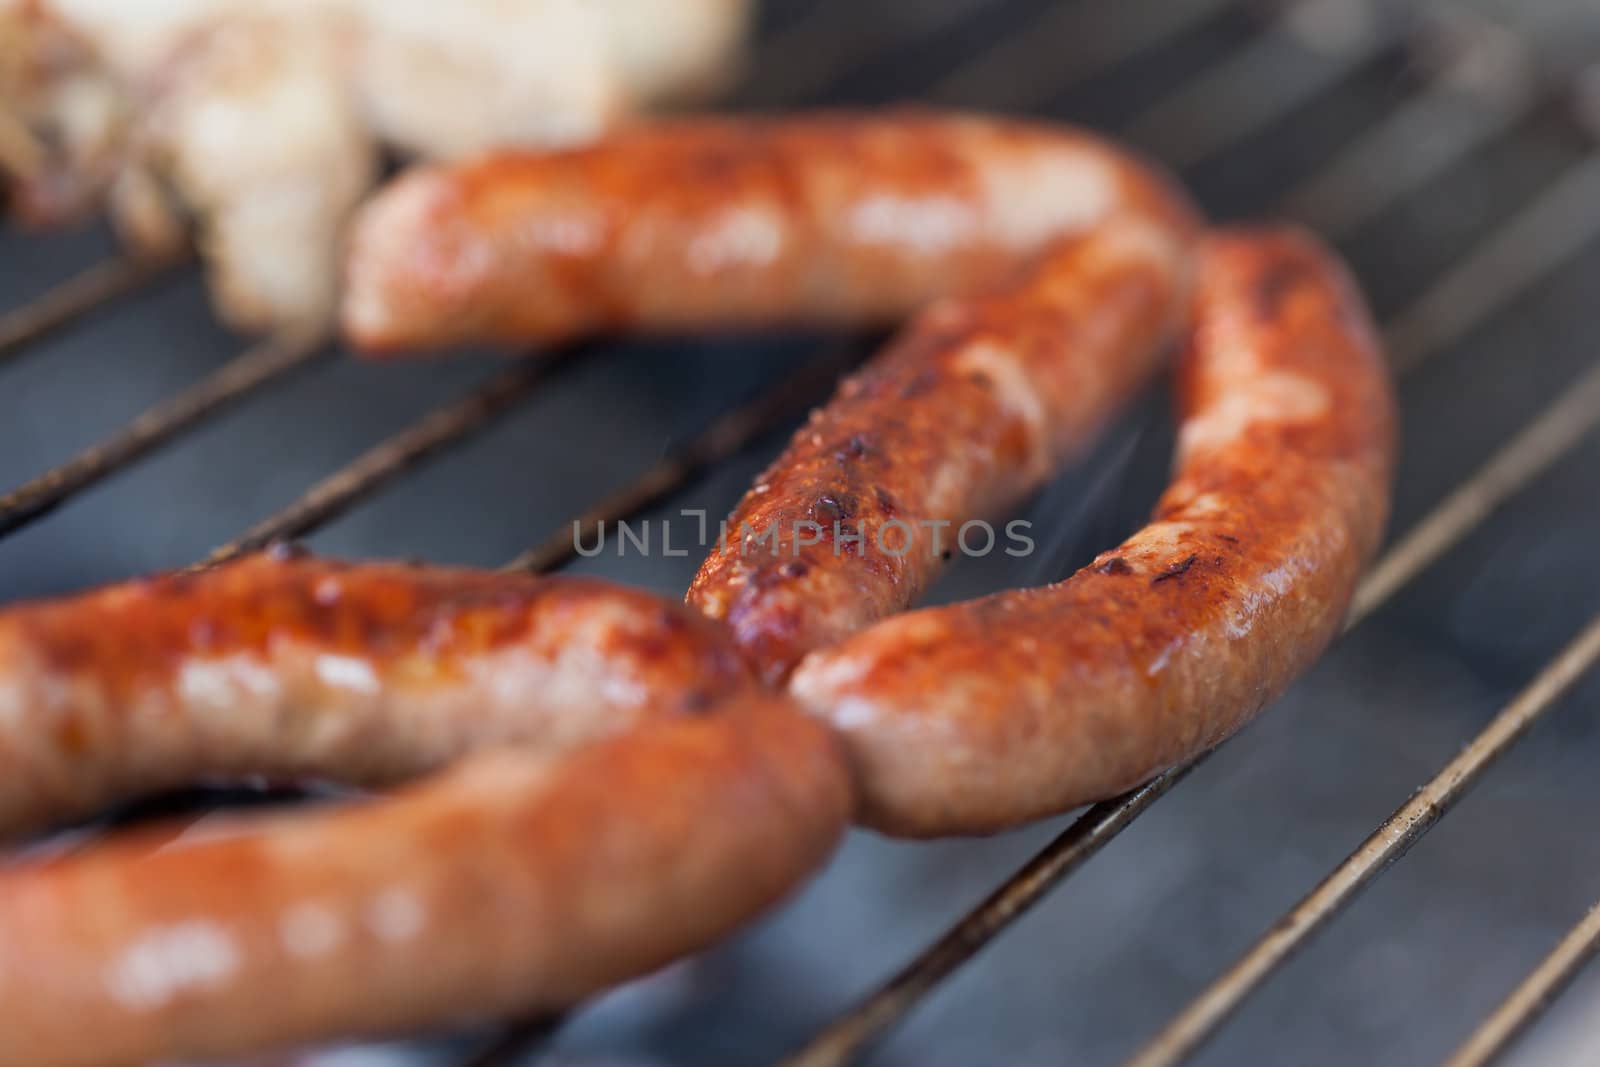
1532	452
1224	105
850	1035
724	439
436	431
1083	39
1532	997
1479	94
1539	237
76	297
1388	843
270	361
845	1038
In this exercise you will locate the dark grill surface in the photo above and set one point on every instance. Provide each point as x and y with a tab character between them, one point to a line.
1450	150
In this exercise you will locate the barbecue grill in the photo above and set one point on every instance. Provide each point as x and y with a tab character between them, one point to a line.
1448	149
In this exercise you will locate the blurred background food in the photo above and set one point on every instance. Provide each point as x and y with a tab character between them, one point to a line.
1448	147
261	120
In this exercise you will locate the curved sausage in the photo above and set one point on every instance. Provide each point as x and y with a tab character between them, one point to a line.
623	794
515	881
972	407
978	716
826	219
293	668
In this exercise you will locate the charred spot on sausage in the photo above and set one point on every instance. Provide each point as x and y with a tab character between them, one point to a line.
1177	570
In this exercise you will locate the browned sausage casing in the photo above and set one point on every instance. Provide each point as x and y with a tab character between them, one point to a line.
720	222
520	878
982	715
975	404
368	673
514	881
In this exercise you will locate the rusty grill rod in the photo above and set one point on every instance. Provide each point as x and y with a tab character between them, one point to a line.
265	363
84	292
430	435
1532	997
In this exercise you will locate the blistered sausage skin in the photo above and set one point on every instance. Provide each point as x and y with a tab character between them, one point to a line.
513	881
827	219
974	405
981	715
294	668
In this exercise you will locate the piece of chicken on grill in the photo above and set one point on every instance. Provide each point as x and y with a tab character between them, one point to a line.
259	122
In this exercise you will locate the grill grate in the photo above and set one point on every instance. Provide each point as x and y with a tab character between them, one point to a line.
1481	90
93	288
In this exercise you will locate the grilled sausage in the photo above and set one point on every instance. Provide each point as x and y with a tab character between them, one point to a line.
533	871
695	223
978	716
970	409
514	881
296	668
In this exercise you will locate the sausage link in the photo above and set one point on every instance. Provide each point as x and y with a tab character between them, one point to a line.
828	219
515	881
293	668
973	406
977	716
